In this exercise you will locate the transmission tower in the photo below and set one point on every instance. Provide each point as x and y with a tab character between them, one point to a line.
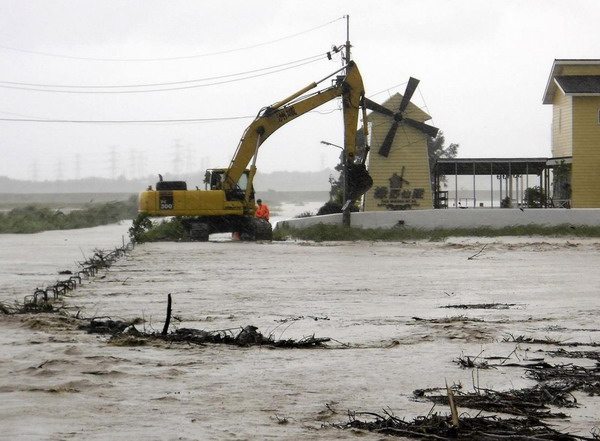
34	170
77	166
177	157
113	162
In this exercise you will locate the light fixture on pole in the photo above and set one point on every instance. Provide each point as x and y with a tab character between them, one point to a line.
333	145
346	201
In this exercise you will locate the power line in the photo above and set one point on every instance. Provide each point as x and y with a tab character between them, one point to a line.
194	86
147	121
197	80
388	90
185	57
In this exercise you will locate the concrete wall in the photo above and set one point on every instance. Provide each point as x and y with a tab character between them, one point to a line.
459	218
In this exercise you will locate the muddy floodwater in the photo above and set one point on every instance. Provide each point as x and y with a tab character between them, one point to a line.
385	306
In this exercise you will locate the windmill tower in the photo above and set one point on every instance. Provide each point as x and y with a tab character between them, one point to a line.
399	162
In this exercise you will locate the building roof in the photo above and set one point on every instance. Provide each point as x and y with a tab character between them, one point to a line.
412	110
579	84
557	70
486	166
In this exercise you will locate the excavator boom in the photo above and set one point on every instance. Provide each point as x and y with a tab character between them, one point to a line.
349	87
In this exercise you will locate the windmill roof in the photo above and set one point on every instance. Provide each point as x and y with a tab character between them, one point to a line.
412	110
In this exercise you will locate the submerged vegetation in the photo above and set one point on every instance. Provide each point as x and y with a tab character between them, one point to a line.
35	218
144	230
322	232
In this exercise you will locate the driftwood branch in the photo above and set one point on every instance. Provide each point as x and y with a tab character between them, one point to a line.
168	319
477	254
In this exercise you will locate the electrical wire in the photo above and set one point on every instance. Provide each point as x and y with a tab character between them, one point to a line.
148	121
172	83
388	90
142	122
184	57
35	89
35	119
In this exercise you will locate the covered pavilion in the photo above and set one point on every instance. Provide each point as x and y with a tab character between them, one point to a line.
509	177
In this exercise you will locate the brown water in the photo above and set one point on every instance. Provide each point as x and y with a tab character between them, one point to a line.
58	383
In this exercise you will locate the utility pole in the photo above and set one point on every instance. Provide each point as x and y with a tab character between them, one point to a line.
346	206
347	39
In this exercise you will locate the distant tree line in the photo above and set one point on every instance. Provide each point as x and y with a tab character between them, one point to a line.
34	218
276	181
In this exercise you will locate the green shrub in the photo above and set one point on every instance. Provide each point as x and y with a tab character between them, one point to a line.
143	230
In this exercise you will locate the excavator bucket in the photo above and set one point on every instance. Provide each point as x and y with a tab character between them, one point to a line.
359	180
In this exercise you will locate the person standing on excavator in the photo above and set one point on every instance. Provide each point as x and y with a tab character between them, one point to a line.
262	211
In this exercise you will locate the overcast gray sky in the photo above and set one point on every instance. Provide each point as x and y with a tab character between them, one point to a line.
483	67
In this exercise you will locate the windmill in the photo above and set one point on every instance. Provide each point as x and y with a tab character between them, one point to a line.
400	118
400	172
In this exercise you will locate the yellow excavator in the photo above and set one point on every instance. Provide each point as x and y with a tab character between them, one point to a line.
227	202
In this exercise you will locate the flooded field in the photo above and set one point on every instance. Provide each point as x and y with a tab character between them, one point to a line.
396	314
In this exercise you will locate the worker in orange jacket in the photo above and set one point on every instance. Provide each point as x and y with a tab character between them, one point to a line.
262	211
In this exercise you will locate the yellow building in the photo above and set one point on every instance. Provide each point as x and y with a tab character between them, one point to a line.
573	89
401	178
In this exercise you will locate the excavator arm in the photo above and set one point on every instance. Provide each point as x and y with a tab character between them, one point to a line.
349	87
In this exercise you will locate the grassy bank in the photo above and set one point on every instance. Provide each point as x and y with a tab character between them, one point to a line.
322	232
35	218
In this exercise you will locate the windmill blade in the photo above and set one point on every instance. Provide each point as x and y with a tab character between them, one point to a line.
411	87
372	105
425	128
386	146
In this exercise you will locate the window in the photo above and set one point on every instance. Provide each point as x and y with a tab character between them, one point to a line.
243	181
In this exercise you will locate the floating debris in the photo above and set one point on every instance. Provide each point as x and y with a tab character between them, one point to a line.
509	338
530	402
244	336
467	362
482	306
441	427
122	331
458	318
42	298
105	325
592	355
529	406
